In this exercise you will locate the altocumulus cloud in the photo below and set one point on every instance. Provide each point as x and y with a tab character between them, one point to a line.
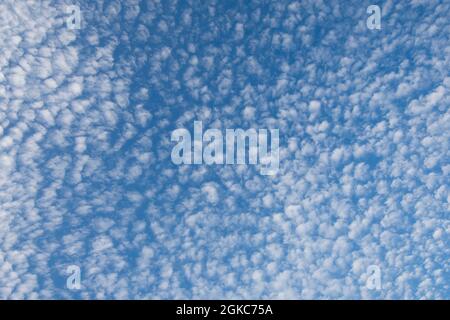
86	177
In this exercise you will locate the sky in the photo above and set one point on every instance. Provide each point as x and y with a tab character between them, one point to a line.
86	177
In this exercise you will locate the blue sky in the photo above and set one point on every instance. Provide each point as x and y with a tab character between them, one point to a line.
86	177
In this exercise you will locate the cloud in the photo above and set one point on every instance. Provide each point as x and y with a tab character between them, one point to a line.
85	171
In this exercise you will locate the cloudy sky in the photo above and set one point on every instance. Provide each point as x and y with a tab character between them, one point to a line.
86	177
